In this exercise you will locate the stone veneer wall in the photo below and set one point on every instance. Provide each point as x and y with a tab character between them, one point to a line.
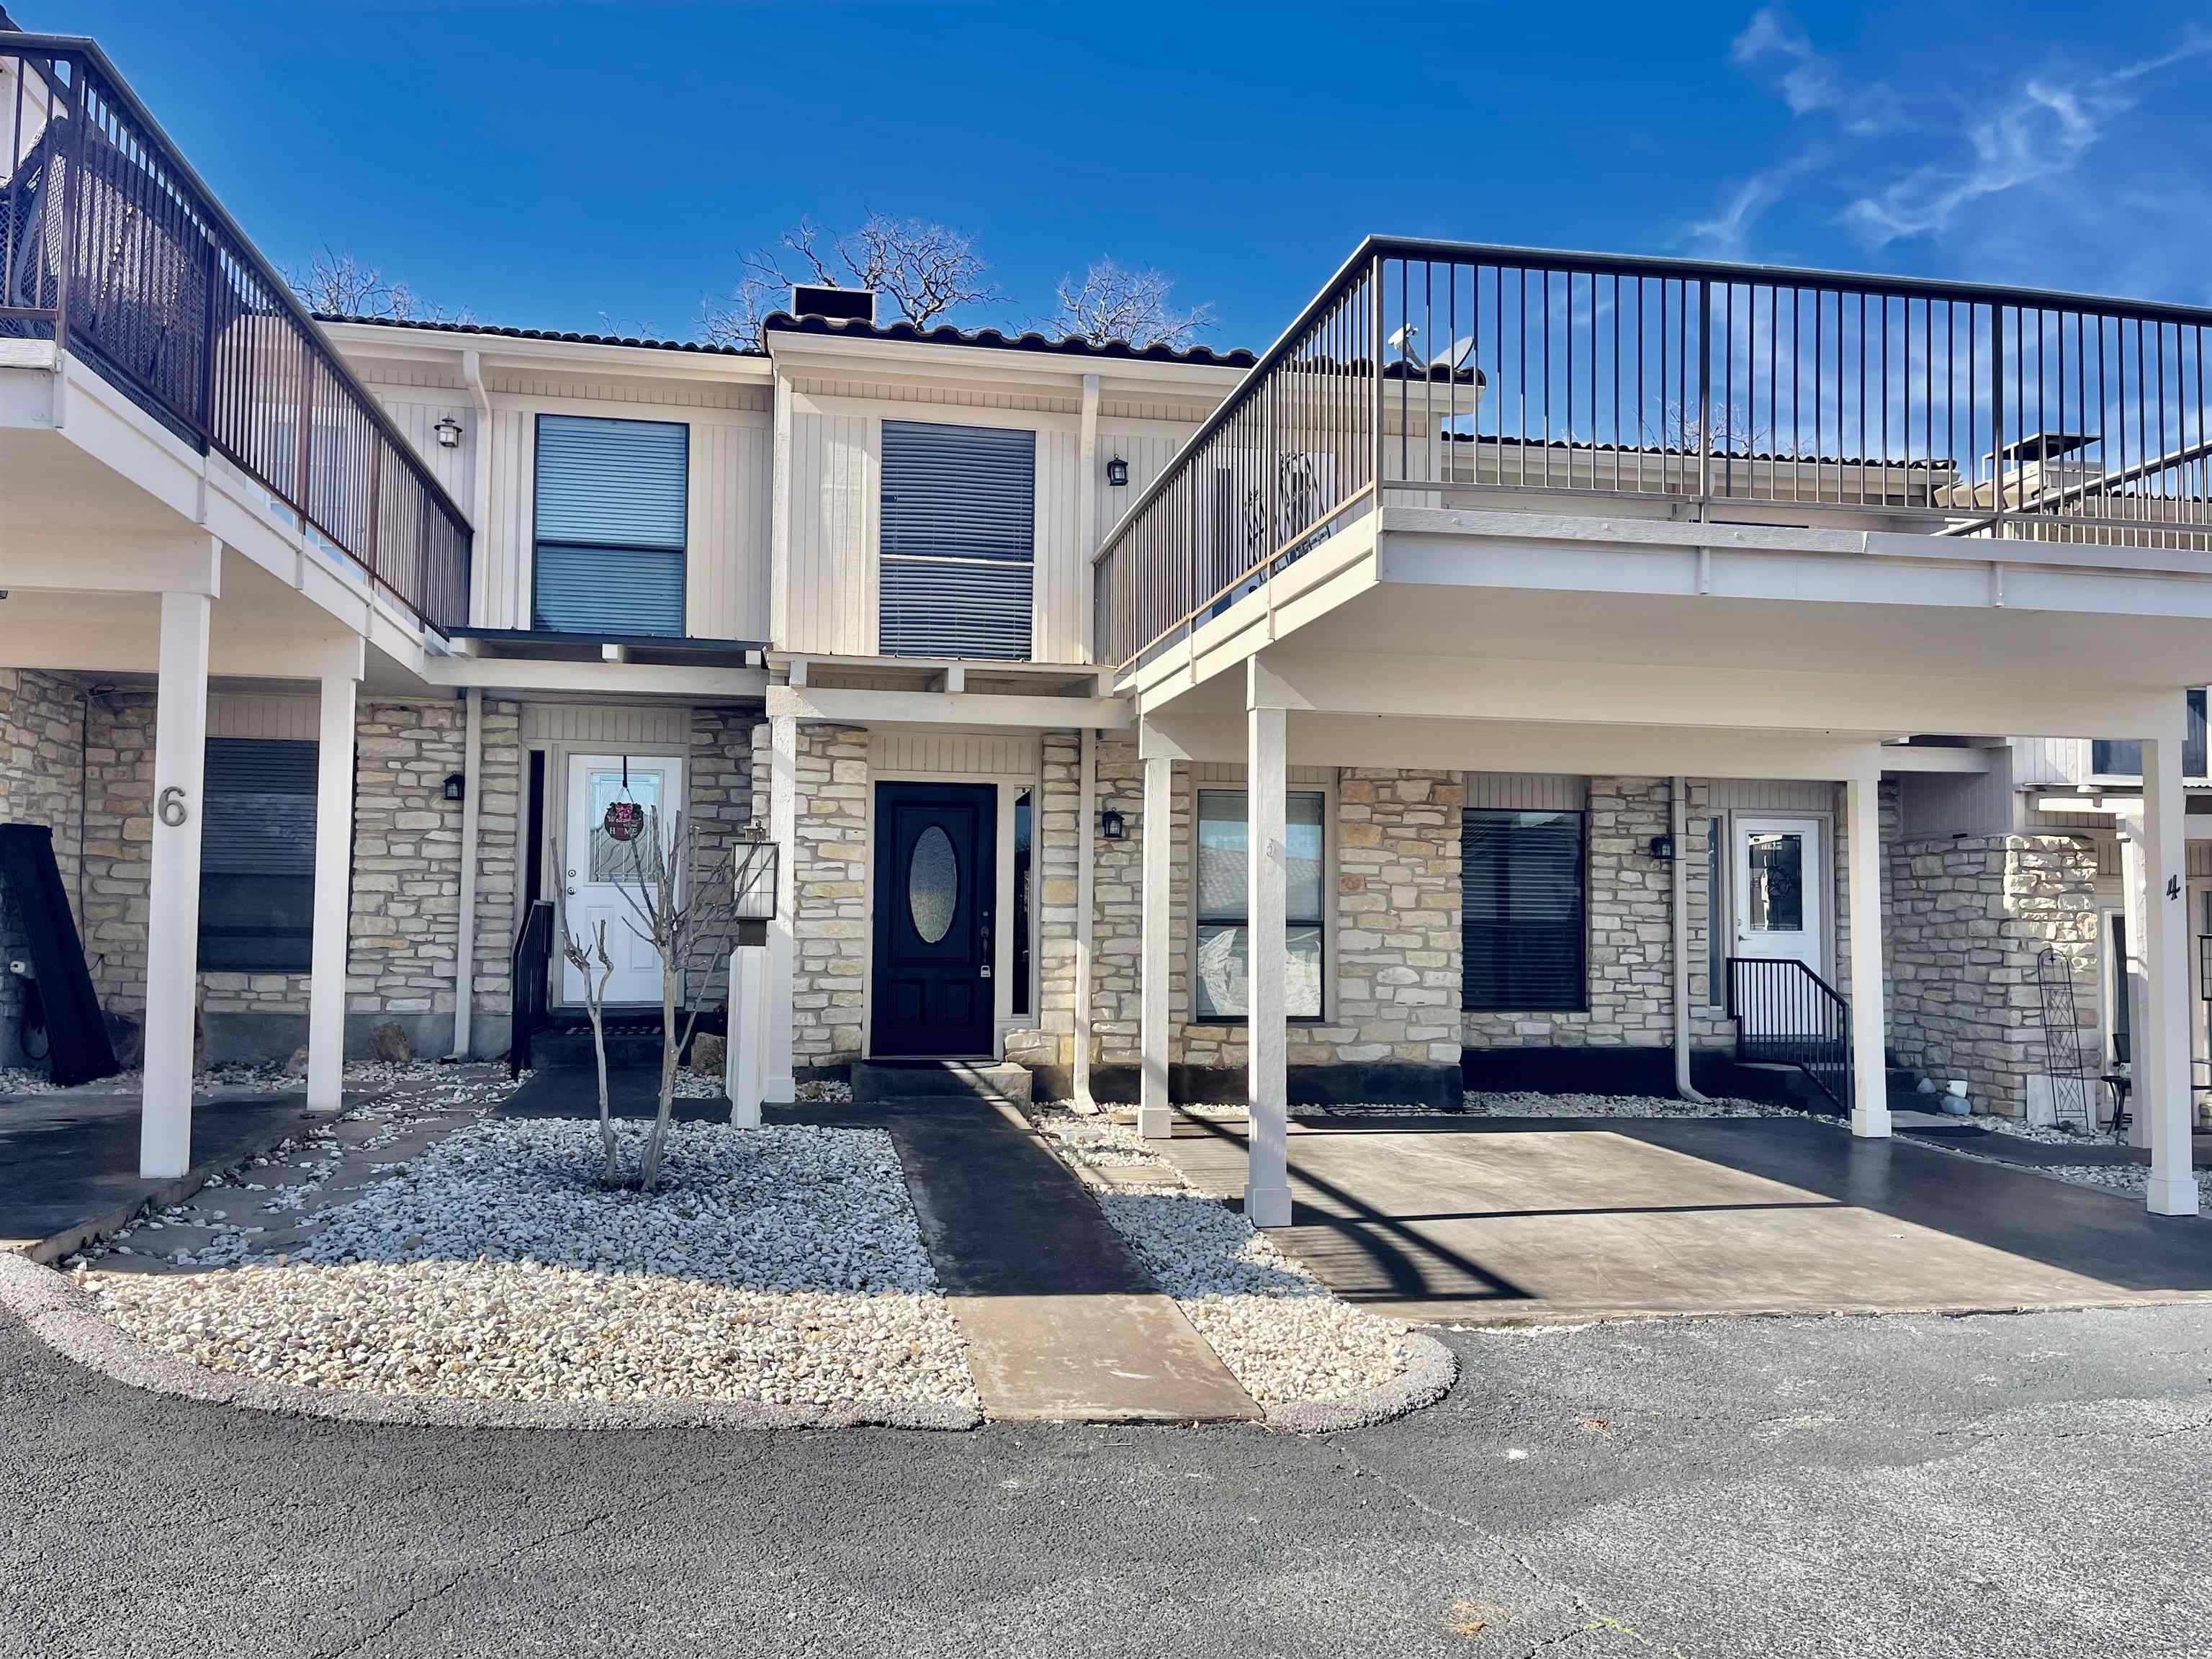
829	878
1055	848
1970	917
1395	972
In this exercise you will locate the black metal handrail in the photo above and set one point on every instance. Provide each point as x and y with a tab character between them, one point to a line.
1785	1014
1434	371
531	983
113	248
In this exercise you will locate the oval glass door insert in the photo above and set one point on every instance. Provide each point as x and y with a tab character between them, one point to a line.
932	884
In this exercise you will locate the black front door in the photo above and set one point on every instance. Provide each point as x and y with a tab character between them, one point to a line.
936	885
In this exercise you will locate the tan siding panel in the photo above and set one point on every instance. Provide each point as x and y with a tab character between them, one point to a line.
607	723
1772	795
1063	563
243	714
953	754
726	574
1528	792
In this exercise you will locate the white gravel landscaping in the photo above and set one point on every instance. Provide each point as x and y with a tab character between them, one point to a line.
1524	1103
1276	1326
781	1266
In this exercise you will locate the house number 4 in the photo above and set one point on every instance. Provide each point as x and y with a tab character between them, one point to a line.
2173	887
172	806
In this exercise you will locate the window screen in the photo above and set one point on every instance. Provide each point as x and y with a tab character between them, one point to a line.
257	856
611	516
957	537
1224	951
1522	923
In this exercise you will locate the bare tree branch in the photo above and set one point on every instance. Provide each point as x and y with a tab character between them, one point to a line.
338	284
1115	303
926	270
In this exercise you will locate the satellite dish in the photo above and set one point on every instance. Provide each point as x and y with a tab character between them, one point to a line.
1461	355
1401	342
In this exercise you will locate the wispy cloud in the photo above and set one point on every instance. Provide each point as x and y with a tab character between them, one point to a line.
1727	234
2036	135
1808	80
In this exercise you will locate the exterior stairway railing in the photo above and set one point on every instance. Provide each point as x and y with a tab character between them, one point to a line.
1785	1014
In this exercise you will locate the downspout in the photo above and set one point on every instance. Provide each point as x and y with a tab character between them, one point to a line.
1678	825
479	465
465	930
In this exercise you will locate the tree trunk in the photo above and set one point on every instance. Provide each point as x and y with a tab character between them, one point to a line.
671	1042
611	1173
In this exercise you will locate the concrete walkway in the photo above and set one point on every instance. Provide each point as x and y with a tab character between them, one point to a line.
1551	1220
1062	1322
68	1160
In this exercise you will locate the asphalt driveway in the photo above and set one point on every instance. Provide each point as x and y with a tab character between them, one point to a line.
1867	1488
1521	1220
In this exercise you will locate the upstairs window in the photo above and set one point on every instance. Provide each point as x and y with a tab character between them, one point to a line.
611	518
2124	759
257	856
1523	926
958	540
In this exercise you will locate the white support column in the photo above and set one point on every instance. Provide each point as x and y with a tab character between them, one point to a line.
745	1062
172	927
2135	886
465	929
1154	1119
1086	811
1869	1014
2164	1102
1266	1091
779	1086
327	982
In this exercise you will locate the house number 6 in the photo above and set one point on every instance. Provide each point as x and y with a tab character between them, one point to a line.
172	806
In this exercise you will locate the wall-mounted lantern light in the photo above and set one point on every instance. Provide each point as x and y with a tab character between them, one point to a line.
449	433
1117	473
457	787
1111	826
1663	848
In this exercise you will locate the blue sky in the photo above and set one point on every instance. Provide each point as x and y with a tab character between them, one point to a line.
604	165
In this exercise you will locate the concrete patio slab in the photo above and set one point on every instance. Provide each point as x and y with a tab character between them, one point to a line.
68	1160
1544	1220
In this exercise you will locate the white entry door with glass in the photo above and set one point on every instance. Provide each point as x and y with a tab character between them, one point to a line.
595	867
1781	894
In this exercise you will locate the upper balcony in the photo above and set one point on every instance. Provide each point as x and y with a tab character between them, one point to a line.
113	252
1610	407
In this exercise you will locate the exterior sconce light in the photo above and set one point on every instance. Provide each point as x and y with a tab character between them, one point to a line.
457	787
449	433
1111	826
1663	848
1117	473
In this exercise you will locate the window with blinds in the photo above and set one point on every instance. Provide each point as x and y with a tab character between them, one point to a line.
1223	945
1524	932
958	540
610	528
257	856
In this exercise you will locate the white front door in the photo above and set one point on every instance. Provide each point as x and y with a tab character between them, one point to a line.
1779	875
596	869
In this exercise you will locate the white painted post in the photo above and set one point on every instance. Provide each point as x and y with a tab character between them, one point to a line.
1155	1121
172	923
327	982
2164	1103
465	931
745	1056
2135	885
1870	1015
779	1084
1086	810
1267	1091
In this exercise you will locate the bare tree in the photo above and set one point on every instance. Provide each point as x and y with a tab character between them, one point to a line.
927	270
683	920
584	955
1112	303
338	284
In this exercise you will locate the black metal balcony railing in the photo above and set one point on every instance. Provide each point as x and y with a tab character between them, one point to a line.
110	245
1430	372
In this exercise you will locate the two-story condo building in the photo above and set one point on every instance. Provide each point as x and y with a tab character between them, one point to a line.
1533	668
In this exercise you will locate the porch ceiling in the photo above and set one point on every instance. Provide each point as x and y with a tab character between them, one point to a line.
49	485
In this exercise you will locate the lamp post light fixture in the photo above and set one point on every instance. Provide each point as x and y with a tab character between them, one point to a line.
457	787
449	433
1117	473
1111	825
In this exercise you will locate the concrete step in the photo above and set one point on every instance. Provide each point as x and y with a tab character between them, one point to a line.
932	1079
565	1049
